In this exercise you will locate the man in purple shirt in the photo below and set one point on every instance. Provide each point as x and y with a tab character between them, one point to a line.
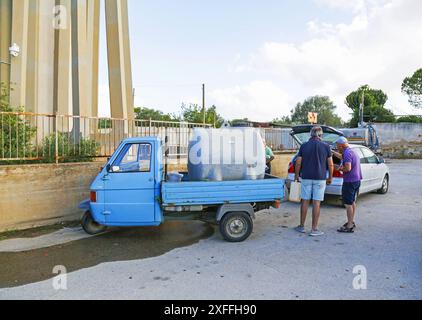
352	177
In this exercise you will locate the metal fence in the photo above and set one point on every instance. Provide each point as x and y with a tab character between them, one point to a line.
279	139
54	138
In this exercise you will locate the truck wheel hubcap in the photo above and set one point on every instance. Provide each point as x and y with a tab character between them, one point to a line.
237	227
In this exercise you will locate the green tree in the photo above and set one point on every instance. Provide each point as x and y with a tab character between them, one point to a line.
319	104
410	119
412	86
147	113
105	124
374	106
237	122
285	120
193	113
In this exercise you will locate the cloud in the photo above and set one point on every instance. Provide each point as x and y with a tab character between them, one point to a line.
355	5
380	47
259	101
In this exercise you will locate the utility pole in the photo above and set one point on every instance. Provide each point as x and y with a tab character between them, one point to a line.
203	103
361	110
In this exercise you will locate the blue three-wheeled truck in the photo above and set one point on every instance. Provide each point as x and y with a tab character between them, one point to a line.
131	191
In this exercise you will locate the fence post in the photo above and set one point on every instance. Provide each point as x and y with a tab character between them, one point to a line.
167	151
150	126
56	138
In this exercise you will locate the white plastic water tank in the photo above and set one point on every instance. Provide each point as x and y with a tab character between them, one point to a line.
226	154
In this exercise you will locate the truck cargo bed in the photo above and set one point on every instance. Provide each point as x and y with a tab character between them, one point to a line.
188	193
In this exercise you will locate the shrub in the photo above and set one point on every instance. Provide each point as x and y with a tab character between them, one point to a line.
16	133
82	150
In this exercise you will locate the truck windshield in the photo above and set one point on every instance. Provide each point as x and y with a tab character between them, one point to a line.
134	158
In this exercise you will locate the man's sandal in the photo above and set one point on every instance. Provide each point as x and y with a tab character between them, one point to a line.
345	225
345	229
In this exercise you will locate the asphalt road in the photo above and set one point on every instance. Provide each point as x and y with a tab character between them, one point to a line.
275	263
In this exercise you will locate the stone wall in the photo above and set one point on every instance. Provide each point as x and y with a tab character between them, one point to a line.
396	132
403	150
400	140
37	195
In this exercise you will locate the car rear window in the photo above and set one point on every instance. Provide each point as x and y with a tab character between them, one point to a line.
329	138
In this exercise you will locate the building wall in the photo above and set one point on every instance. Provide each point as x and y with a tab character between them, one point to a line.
5	39
45	76
57	68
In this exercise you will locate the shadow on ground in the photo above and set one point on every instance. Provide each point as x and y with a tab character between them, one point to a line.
117	245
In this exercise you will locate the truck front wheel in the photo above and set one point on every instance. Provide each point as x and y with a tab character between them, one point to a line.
236	226
90	226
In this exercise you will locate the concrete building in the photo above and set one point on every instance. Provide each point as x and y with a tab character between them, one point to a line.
49	53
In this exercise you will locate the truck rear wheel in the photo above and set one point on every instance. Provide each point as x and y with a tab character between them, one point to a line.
236	226
90	226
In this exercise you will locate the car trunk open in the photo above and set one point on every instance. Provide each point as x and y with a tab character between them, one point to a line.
302	134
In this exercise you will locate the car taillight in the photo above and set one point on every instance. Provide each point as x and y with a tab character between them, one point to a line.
93	197
291	168
338	174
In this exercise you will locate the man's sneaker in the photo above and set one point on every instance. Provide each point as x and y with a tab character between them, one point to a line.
300	229
316	233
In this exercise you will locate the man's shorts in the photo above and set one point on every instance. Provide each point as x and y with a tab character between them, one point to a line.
313	190
350	192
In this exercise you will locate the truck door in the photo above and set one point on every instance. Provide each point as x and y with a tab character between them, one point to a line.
129	186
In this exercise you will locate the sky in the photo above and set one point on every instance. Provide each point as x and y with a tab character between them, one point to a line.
258	59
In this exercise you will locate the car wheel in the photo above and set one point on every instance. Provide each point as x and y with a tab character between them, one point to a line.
236	226
385	185
90	226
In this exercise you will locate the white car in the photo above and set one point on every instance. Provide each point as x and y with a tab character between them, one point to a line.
376	175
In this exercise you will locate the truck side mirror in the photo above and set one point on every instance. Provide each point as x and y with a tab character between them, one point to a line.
112	169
